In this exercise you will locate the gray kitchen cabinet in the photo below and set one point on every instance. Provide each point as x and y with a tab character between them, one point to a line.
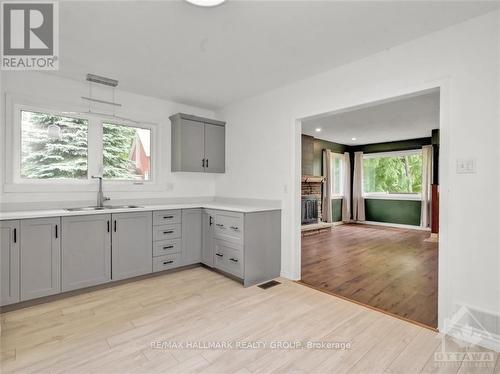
9	262
198	144
191	236
86	251
189	154
132	248
248	245
207	250
215	140
40	257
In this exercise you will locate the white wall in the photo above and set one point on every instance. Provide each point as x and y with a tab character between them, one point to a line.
57	90
261	144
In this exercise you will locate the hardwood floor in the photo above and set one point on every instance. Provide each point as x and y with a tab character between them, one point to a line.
111	331
391	269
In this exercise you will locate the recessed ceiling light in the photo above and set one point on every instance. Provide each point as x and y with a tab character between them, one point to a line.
318	129
353	139
206	3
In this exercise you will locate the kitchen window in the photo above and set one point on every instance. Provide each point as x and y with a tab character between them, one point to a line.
393	174
337	175
126	152
53	146
52	150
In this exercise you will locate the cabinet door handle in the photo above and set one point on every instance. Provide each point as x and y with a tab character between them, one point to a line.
234	259
218	254
203	163
210	221
234	227
168	232
168	262
206	162
168	247
114	229
168	217
219	225
15	235
57	234
108	225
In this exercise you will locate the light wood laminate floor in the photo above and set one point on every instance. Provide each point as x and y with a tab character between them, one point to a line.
392	269
111	330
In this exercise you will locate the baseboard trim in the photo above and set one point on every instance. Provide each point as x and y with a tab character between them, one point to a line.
395	225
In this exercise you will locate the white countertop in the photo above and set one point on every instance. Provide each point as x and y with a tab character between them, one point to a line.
144	208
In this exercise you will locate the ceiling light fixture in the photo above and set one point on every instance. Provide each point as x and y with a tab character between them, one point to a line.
318	129
206	3
353	139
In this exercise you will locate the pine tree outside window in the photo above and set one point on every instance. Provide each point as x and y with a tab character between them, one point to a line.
53	147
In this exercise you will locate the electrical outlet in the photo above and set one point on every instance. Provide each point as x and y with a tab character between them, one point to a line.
466	166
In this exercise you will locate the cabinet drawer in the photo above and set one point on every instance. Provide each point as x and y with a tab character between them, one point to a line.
167	247
228	257
165	217
166	262
167	232
229	226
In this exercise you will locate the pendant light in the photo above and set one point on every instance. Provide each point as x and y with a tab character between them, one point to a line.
206	3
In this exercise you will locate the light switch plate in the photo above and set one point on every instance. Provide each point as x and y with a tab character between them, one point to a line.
466	166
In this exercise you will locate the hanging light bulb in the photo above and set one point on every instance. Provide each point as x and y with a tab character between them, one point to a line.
54	131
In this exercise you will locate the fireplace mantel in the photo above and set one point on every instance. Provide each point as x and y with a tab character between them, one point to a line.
312	179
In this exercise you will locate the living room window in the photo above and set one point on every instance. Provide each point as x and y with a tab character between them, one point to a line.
393	174
337	175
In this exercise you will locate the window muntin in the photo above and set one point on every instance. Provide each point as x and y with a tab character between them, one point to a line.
398	173
337	175
53	146
126	152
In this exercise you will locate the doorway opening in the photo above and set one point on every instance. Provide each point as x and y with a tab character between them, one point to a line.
370	205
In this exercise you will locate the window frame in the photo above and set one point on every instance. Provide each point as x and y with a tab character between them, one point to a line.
339	156
417	196
13	182
152	161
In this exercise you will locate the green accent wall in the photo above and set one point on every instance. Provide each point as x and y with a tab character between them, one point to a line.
336	210
319	145
404	212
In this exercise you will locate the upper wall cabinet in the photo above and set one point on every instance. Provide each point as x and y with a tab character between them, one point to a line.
198	144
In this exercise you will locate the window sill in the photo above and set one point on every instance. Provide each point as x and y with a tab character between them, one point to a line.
337	197
392	197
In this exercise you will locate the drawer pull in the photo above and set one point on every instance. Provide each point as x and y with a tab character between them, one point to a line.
168	232
168	247
168	217
234	259
168	262
218	254
235	227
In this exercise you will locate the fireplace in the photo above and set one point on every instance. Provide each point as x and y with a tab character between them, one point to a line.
309	209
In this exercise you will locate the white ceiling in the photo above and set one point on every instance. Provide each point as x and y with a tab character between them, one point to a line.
399	119
214	56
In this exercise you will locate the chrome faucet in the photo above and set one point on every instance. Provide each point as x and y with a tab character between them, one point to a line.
100	196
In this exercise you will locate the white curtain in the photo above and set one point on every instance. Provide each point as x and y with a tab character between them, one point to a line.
425	218
326	205
346	201
358	202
